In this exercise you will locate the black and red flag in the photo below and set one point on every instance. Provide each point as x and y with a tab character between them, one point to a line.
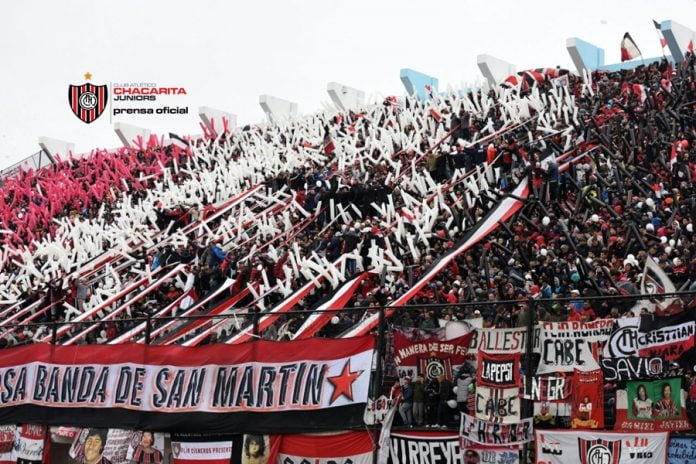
87	101
629	49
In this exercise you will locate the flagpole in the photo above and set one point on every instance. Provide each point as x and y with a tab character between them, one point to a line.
659	37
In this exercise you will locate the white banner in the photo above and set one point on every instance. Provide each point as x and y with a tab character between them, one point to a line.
565	447
623	339
503	341
500	405
566	346
492	434
208	388
211	452
376	410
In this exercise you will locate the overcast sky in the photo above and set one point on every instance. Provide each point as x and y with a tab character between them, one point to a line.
228	53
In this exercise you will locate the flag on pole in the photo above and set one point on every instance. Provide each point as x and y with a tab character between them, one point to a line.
178	141
663	41
629	49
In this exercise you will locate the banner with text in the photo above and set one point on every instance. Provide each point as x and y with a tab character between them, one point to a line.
444	448
494	434
503	341
546	388
501	405
185	451
429	357
498	370
668	337
623	340
566	346
682	450
632	368
564	447
313	384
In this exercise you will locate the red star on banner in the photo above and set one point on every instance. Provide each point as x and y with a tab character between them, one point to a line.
343	383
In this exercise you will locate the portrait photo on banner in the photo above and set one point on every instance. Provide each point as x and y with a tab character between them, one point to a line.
658	399
255	449
88	447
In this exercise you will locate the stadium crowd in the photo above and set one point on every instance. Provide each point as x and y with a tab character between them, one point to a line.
585	230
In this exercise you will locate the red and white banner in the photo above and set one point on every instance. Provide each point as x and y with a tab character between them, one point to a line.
338	300
429	357
498	370
22	444
7	439
566	346
29	444
250	380
668	337
64	435
564	447
493	434
339	448
211	452
588	400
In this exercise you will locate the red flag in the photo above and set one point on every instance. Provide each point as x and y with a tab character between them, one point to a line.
588	400
690	47
673	155
639	90
663	42
434	113
629	49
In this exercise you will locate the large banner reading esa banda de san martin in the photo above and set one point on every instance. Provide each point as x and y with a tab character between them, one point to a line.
317	385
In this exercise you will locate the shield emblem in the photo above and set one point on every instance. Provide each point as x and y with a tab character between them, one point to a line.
599	451
433	367
87	101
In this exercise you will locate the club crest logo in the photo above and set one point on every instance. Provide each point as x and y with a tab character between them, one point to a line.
599	451
432	368
87	101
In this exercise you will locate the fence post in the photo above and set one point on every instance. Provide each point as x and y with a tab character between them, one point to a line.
528	405
54	332
377	384
148	329
256	322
